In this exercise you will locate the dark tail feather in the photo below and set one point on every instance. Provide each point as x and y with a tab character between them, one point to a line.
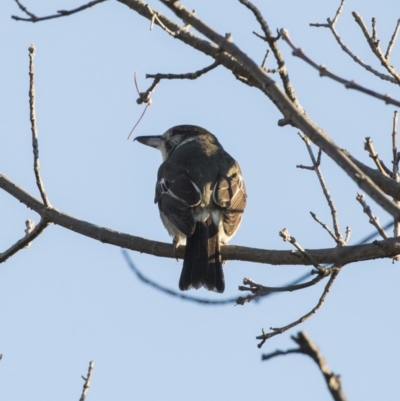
202	264
195	262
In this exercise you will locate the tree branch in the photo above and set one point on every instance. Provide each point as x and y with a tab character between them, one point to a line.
309	348
343	255
279	330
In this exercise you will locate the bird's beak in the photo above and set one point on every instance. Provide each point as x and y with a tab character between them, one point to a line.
155	141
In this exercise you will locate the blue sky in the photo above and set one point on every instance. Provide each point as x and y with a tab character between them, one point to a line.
68	299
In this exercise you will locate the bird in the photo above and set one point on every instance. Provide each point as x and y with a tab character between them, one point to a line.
201	197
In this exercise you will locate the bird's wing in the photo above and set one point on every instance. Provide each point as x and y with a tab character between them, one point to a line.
230	194
176	200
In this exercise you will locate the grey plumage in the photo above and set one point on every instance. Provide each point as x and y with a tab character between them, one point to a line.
201	197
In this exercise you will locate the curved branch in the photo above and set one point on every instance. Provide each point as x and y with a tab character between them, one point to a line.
342	255
308	347
61	13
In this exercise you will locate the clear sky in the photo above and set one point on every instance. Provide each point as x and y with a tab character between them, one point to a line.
68	299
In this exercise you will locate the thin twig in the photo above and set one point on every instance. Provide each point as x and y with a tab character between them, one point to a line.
155	18
265	336
261	290
30	235
287	237
338	12
328	230
369	147
35	145
265	59
189	75
144	97
347	237
60	13
87	380
316	164
392	40
309	348
372	219
324	72
138	121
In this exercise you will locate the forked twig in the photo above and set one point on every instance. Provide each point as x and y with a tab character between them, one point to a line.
369	147
307	347
316	167
60	13
332	26
324	72
287	237
275	331
30	235
374	45
272	42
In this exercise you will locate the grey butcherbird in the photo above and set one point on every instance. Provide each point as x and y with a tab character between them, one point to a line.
201	197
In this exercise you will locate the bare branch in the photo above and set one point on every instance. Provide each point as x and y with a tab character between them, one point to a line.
369	147
392	40
309	348
374	45
324	72
341	255
60	13
328	230
345	48
338	12
316	164
189	75
35	145
87	380
272	42
179	294
265	336
24	242
287	237
372	219
260	290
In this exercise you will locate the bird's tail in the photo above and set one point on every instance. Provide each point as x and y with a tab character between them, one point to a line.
202	265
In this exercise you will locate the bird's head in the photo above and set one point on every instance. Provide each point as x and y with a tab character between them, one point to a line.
174	138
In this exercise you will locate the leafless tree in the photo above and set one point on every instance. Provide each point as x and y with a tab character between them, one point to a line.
381	184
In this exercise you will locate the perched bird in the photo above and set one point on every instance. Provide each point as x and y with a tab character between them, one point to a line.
201	197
